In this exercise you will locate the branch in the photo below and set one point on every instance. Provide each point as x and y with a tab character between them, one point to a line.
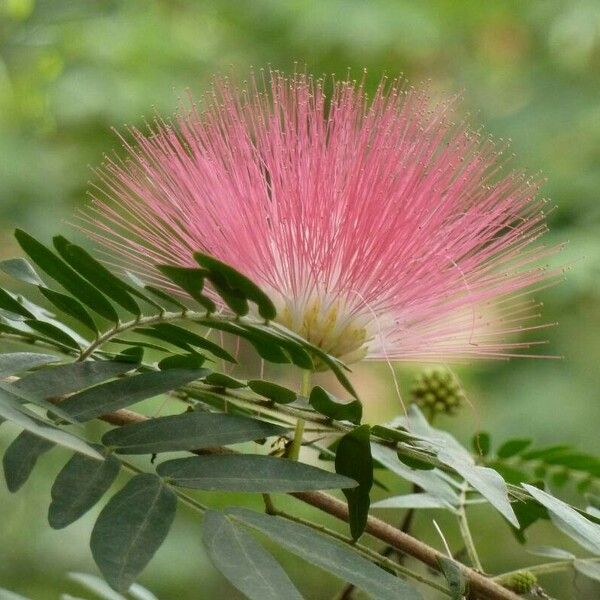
478	584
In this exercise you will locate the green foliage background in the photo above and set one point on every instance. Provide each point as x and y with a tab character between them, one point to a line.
529	71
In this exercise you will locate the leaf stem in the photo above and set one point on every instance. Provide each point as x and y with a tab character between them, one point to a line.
465	532
294	452
545	568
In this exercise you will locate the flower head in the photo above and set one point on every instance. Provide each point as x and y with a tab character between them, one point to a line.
379	227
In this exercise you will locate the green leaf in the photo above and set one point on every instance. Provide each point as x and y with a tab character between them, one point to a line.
391	434
457	582
188	431
97	586
53	382
353	459
53	332
192	360
97	274
16	362
114	395
588	568
11	410
551	552
423	500
528	512
485	480
137	592
512	448
131	528
184	338
328	554
70	306
20	269
265	347
20	458
244	562
568	520
79	486
415	463
221	380
274	392
327	404
7	302
272	335
131	356
481	443
430	481
221	274
190	280
249	473
8	595
76	285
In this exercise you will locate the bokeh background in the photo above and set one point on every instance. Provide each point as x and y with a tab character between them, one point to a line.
528	71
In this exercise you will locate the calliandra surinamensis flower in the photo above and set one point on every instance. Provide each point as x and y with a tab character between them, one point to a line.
379	226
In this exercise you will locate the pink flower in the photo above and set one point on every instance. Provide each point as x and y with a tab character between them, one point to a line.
379	227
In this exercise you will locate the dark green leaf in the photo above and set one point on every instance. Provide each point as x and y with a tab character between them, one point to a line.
328	554
274	392
53	332
97	274
244	562
7	302
53	382
70	306
190	280
76	285
20	458
457	582
544	453
131	356
224	381
512	448
568	520
220	272
327	404
131	528
79	486
16	362
528	512
264	347
20	269
182	361
249	473
11	410
391	434
114	395
415	463
353	459
184	338
188	431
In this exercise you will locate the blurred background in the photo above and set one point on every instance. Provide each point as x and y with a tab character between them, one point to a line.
528	71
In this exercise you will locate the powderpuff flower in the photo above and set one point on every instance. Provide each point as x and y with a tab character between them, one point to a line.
379	226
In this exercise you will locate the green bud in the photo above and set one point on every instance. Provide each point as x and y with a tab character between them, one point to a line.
521	582
436	391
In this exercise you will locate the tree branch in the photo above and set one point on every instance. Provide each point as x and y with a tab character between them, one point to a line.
478	584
